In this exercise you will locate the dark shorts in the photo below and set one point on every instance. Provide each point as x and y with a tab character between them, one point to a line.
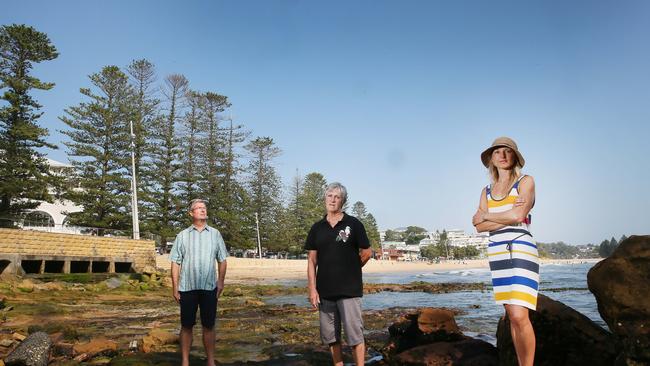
192	300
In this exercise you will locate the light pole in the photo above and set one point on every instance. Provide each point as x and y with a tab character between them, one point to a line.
134	189
259	242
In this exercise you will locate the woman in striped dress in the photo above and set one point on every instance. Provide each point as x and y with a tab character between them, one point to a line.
504	211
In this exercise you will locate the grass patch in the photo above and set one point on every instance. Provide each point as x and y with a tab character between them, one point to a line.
84	278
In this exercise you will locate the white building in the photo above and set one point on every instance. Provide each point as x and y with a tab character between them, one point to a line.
53	216
458	238
431	239
392	244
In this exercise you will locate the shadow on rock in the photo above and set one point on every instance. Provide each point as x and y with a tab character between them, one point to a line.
621	285
431	337
563	337
291	355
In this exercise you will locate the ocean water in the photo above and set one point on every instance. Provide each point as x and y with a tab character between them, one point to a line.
479	316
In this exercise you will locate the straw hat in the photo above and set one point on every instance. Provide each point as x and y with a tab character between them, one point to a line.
501	142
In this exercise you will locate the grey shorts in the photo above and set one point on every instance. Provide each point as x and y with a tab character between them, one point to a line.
346	311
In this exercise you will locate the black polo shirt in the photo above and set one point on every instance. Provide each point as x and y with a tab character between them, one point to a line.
338	273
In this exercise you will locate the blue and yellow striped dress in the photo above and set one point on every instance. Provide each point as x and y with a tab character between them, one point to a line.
514	261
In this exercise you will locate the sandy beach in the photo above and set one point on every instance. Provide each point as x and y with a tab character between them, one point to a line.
271	270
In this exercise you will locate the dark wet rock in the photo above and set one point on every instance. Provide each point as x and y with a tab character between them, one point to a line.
621	285
286	310
302	354
33	351
377	322
563	337
431	337
56	337
470	352
63	349
286	355
424	327
420	286
156	358
56	330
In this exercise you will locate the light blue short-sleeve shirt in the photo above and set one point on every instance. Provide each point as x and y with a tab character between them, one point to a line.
196	252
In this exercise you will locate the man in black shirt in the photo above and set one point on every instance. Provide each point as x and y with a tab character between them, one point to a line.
338	247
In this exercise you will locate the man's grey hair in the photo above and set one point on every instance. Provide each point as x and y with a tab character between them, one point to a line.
340	187
193	202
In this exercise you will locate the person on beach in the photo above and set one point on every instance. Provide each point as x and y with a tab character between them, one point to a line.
194	281
338	247
514	263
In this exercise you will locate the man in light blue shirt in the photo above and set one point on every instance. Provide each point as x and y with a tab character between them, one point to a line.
194	278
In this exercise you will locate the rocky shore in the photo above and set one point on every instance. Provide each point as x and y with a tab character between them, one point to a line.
132	320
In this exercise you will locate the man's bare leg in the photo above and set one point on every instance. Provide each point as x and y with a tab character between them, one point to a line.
359	352
186	345
208	344
337	356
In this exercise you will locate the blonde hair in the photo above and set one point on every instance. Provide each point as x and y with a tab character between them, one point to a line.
515	172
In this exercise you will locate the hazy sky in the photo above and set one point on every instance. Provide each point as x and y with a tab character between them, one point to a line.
397	99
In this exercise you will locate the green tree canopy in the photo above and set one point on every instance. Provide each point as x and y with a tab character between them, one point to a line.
433	251
145	117
368	220
99	146
311	199
24	172
231	215
265	188
392	235
373	231
414	234
165	204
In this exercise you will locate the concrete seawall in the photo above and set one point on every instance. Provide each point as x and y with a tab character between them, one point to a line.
25	251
